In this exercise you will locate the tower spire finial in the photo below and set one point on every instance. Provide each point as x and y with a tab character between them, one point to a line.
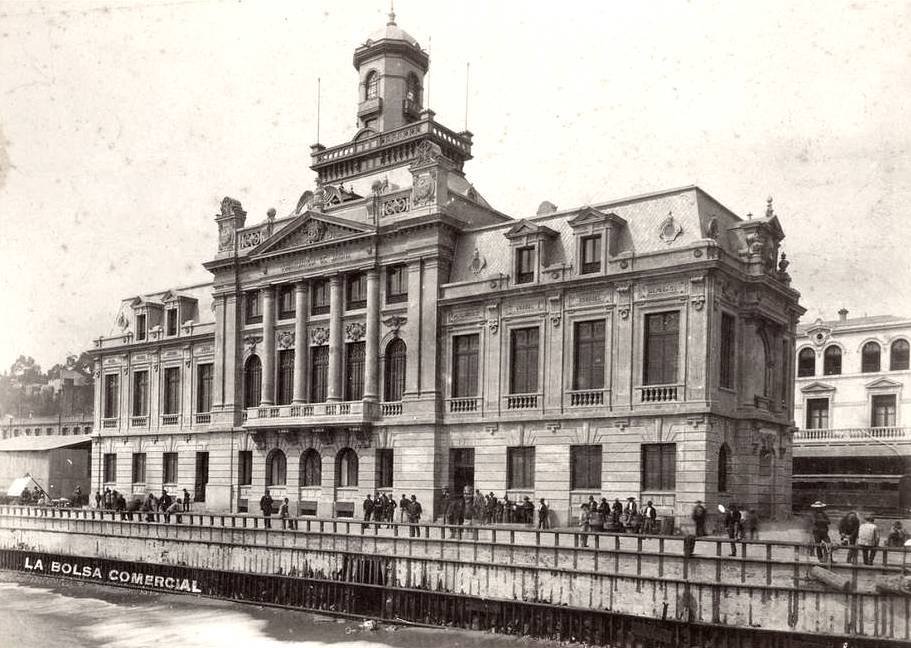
391	12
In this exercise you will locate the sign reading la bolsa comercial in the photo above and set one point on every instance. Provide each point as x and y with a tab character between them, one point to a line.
76	569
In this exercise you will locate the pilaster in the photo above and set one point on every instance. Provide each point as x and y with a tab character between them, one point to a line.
336	339
412	333
372	342
300	341
268	357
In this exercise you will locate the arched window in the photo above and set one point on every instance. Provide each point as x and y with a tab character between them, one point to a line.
806	363
724	467
371	84
311	468
276	468
831	361
395	370
346	468
869	357
253	381
413	90
899	355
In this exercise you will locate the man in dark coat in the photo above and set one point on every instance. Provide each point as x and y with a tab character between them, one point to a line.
265	505
415	510
698	516
369	505
848	527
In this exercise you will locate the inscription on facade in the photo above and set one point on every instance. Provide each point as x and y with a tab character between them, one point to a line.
316	260
463	315
523	307
660	290
589	298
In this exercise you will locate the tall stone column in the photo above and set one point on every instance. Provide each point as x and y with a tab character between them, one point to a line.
372	343
268	359
300	340
336	339
412	332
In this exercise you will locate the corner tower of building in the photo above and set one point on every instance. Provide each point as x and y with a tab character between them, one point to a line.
391	66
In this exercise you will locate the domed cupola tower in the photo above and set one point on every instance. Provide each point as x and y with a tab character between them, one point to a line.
391	66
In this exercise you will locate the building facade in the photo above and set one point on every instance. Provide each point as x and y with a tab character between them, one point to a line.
396	333
853	448
12	427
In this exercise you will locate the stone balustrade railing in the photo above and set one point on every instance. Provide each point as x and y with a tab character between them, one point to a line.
822	435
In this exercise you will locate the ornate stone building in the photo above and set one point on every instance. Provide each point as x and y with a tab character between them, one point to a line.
853	445
396	333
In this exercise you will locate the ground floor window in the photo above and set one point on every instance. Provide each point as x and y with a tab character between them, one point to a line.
346	468
585	467
520	467
245	467
384	463
276	468
139	467
659	466
311	468
110	467
169	461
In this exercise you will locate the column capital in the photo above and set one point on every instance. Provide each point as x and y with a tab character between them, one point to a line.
372	273
300	286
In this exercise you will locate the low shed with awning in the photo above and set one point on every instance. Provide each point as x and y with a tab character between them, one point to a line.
57	463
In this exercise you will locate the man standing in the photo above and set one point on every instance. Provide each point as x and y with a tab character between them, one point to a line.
848	527
414	515
368	507
97	500
403	508
868	539
699	518
186	500
283	514
543	515
265	505
651	518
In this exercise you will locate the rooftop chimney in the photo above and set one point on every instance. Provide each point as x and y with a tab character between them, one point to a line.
843	314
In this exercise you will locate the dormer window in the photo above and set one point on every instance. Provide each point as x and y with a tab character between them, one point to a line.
171	322
371	85
590	249
525	264
140	327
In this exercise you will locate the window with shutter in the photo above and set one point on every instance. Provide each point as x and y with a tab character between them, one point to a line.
659	466
585	467
465	365
524	361
588	355
661	348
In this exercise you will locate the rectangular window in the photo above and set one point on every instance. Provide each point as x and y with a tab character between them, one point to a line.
661	340
588	355
204	388
170	468
817	413
252	307
319	297
520	467
171	321
245	467
110	396
356	291
140	328
285	390
286	306
171	403
396	283
591	254
726	374
523	375
585	467
384	463
355	355
140	393
139	467
883	411
525	264
202	477
465	365
659	466
110	467
319	374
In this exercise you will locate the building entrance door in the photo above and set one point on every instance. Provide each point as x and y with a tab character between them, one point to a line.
461	469
202	476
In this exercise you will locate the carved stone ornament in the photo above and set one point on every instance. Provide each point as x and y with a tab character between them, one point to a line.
250	343
395	323
427	153
669	230
698	302
624	311
425	188
314	231
319	336
555	319
493	325
478	263
394	205
286	339
225	236
355	331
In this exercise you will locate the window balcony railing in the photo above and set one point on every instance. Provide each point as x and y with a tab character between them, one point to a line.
310	413
139	421
522	401
170	419
659	393
464	405
587	397
109	422
203	418
891	433
391	409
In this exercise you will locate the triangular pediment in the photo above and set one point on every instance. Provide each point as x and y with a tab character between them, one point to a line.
817	387
591	216
883	383
526	228
311	228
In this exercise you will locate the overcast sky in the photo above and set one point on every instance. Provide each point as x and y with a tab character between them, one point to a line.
123	124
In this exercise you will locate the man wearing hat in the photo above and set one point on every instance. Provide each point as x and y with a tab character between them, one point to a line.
699	518
820	529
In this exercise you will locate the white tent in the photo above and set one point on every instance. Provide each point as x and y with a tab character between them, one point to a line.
20	484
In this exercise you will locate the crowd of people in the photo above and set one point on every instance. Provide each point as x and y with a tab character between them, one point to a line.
854	535
147	507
